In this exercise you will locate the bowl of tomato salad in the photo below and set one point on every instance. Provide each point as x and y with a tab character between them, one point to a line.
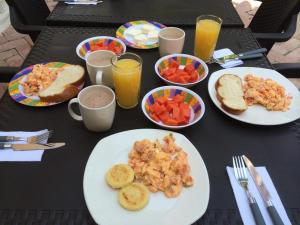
173	107
181	69
100	43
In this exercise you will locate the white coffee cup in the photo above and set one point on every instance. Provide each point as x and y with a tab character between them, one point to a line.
171	40
96	118
99	65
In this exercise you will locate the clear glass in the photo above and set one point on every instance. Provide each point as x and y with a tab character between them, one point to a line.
127	75
207	32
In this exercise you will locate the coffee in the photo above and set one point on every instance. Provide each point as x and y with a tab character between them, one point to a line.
96	98
100	61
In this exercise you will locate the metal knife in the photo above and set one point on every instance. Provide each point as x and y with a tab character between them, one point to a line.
263	192
28	147
245	55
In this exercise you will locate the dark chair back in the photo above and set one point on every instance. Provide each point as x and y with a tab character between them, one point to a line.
273	15
32	12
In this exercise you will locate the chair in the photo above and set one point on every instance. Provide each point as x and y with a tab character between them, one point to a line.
289	70
6	73
275	21
28	17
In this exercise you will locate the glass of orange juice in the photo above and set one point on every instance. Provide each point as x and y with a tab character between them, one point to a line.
127	74
207	32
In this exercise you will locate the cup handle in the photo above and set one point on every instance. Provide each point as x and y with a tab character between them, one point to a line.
72	114
99	77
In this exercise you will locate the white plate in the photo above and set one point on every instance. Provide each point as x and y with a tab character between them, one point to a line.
257	114
102	200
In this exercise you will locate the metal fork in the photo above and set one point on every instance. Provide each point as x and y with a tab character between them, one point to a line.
33	139
242	177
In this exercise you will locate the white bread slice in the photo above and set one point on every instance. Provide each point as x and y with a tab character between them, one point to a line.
230	93
65	85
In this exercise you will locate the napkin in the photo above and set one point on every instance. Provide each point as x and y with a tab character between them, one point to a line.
224	52
83	3
21	156
242	201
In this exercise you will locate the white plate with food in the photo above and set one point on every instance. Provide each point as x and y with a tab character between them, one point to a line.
173	204
255	95
46	84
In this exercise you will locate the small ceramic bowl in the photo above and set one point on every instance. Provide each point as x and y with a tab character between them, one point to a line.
194	101
89	45
182	59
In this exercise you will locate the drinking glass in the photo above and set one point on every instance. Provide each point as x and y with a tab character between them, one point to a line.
127	74
206	37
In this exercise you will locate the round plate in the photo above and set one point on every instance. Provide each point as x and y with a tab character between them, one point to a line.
257	114
102	201
121	33
15	89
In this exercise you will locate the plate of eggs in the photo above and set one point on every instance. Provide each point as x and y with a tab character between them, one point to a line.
140	34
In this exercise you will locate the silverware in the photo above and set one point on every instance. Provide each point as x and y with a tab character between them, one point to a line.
241	176
245	55
33	139
28	147
263	192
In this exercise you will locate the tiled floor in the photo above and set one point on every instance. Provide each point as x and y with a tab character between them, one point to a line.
14	47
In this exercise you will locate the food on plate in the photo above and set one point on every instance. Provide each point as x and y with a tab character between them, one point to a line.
161	166
142	35
173	111
64	86
134	196
267	93
119	176
175	74
38	79
230	93
111	47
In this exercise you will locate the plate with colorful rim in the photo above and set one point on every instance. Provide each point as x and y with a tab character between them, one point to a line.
196	104
257	114
102	201
15	88
128	40
100	43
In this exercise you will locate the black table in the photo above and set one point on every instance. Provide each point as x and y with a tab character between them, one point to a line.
50	192
168	12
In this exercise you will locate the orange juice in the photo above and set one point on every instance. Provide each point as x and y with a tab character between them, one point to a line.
127	80
207	32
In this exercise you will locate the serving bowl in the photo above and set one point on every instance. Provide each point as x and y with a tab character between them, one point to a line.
100	43
182	59
194	101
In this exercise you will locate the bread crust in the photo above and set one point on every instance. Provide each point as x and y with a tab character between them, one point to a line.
224	106
70	91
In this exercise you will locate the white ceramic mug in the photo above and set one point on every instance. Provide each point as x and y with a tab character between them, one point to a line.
171	40
99	65
96	118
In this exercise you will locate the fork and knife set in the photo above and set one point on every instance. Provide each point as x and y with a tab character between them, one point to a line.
240	173
33	143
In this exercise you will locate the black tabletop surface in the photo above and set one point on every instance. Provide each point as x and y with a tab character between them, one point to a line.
168	12
56	182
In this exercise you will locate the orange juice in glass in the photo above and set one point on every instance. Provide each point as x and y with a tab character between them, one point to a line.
206	37
127	73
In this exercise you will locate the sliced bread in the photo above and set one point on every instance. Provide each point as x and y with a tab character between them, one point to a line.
230	93
65	85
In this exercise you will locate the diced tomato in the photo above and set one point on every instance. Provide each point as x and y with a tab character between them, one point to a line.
164	117
117	50
159	109
176	113
178	98
155	117
171	122
161	100
174	64
189	68
194	76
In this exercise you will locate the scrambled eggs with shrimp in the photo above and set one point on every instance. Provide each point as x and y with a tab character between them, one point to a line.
38	79
267	93
161	166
